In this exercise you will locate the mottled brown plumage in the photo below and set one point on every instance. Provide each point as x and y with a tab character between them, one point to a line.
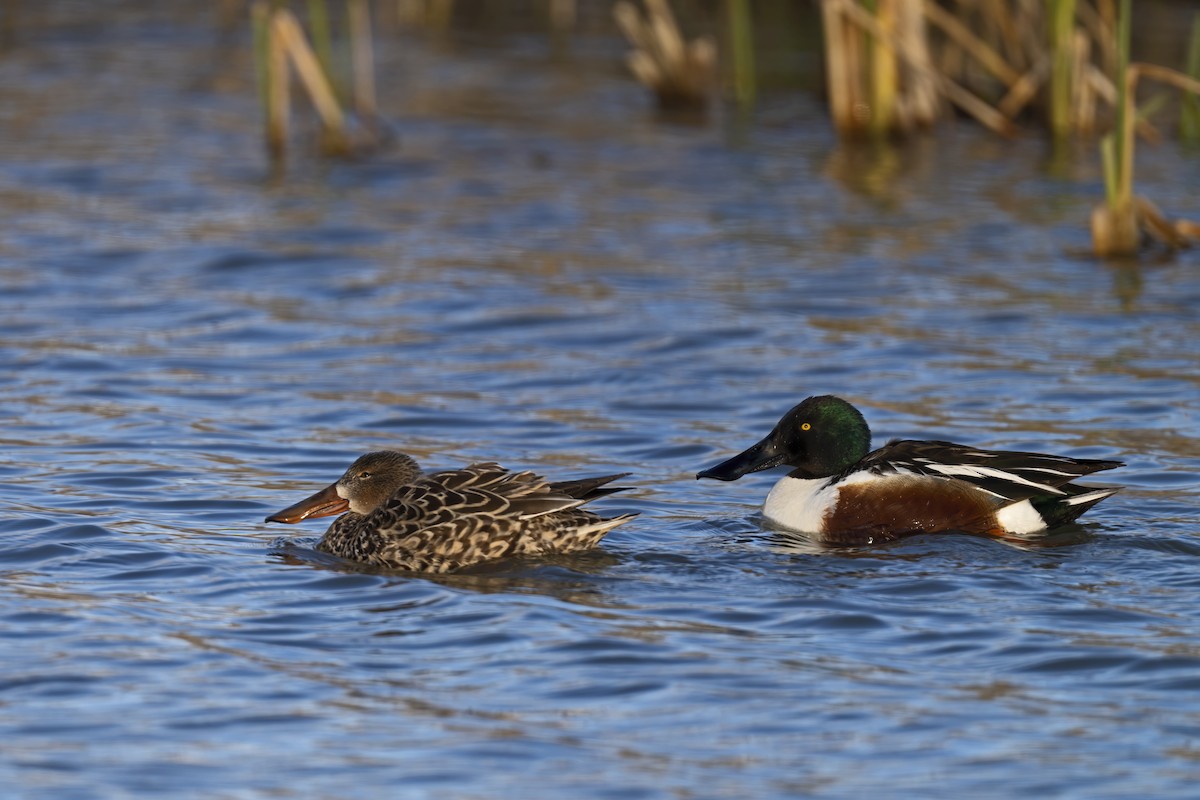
399	518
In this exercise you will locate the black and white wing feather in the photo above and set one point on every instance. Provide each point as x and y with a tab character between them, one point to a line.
1007	474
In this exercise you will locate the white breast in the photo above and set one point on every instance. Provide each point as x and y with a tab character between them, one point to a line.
798	504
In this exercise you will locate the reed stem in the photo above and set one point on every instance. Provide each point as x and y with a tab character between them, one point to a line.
322	37
1108	159
837	70
293	45
884	80
275	83
278	41
1122	195
1062	48
741	39
678	71
849	18
1189	115
363	58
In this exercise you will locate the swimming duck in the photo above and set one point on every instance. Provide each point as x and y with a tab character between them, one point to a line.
843	495
400	518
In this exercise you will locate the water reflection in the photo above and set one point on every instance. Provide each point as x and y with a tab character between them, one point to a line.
576	578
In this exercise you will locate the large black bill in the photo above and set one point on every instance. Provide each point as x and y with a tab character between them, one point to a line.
764	455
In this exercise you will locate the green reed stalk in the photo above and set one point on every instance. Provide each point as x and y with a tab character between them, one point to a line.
322	36
1121	195
1062	29
741	40
1108	159
262	65
1189	116
271	73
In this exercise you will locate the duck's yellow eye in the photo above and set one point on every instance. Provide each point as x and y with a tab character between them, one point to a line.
805	426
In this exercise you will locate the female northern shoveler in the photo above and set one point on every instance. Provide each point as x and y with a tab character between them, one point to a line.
400	518
843	495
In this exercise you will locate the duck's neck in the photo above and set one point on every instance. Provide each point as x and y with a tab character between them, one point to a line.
349	537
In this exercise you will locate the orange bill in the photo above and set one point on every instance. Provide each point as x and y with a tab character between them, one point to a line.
322	504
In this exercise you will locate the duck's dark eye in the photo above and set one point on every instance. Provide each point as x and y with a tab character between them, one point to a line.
362	476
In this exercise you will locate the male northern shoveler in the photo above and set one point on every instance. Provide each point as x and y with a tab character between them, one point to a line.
843	495
401	518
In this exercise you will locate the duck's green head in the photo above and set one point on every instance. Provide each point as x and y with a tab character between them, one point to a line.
818	438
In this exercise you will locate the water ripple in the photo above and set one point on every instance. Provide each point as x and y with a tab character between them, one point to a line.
565	286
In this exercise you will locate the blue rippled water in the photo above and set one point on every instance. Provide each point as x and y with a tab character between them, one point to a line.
552	278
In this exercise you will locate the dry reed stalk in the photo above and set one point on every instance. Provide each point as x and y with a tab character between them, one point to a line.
884	81
285	44
959	33
951	58
1083	95
837	70
1102	85
920	99
994	30
853	61
291	40
854	48
680	73
1010	52
1101	29
915	55
1025	89
363	60
1030	32
1188	229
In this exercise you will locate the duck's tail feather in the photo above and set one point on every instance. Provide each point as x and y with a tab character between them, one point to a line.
593	532
586	489
1061	510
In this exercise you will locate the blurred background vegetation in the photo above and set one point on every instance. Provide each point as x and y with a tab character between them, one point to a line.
1109	71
